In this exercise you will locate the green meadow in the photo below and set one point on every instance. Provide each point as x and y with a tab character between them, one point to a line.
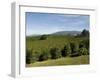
84	59
52	41
37	48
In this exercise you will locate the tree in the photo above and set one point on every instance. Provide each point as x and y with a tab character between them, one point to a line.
74	49
44	56
66	50
35	56
83	51
29	56
85	44
84	47
85	33
43	37
55	53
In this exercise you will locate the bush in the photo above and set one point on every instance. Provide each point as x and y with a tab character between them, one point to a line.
66	50
81	44
35	56
84	43
55	53
83	51
44	56
43	37
74	47
85	33
29	56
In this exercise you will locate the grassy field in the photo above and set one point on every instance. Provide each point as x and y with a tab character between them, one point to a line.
51	41
59	42
84	59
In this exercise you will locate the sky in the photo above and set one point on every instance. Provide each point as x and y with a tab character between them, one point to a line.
47	23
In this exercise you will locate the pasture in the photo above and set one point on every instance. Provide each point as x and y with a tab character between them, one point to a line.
54	41
63	61
51	41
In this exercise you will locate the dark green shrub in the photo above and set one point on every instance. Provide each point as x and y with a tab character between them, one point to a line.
84	43
66	51
81	44
83	51
85	33
28	56
31	56
55	53
44	56
74	47
43	37
35	56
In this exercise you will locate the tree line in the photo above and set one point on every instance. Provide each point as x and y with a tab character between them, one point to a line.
71	49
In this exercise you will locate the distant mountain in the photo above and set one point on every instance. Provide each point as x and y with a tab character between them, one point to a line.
72	33
33	35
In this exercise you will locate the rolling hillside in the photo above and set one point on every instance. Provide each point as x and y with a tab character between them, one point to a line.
56	40
72	33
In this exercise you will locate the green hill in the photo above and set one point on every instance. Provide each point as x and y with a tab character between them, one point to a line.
51	41
54	41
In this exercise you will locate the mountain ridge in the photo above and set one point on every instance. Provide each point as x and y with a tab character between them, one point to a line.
72	33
